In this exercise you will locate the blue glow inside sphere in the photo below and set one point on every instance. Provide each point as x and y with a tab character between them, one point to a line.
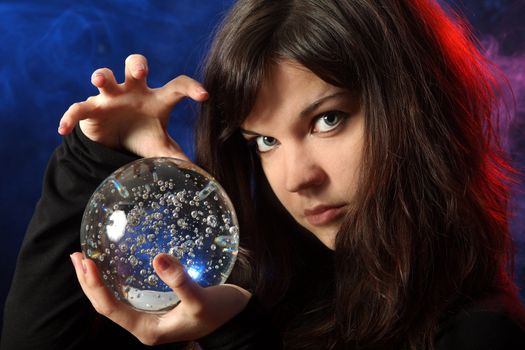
152	206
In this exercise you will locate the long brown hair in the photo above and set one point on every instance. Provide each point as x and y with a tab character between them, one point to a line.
428	229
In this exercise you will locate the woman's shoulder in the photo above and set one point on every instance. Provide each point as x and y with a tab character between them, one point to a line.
495	322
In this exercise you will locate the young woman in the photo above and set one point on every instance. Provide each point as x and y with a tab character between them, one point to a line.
356	142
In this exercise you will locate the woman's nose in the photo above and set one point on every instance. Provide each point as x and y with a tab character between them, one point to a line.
302	171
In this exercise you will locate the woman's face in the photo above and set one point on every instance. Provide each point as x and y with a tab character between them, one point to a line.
309	135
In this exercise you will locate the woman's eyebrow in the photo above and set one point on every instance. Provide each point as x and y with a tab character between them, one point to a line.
314	105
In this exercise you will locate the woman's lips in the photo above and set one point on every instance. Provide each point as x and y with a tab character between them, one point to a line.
323	214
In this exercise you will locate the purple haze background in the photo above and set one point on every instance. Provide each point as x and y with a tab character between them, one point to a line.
49	50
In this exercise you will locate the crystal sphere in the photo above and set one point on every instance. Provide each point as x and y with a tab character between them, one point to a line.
152	206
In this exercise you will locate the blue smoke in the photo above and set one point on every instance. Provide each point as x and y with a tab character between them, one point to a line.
52	47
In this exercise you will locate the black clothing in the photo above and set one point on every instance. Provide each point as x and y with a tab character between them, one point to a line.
46	309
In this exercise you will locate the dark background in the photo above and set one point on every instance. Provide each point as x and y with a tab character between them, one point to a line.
48	51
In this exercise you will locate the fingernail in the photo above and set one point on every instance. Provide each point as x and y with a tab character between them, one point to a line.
75	264
96	75
163	263
138	67
201	91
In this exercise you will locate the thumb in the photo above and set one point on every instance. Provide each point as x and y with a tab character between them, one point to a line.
172	272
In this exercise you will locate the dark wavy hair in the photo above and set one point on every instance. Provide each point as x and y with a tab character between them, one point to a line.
428	229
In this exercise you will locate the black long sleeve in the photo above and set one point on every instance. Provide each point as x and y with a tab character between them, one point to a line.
494	323
45	307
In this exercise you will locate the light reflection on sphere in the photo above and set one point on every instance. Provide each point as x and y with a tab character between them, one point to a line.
152	206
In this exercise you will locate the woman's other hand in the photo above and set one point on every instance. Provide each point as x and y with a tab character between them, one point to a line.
131	115
200	312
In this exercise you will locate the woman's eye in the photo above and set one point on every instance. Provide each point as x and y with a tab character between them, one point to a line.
328	121
265	143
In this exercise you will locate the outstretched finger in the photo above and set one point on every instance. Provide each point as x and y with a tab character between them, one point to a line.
75	113
183	86
105	81
136	70
171	271
101	298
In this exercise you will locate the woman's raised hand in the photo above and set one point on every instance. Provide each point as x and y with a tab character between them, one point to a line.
201	310
131	115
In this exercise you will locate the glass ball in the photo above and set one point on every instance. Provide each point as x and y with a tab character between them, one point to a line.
152	206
